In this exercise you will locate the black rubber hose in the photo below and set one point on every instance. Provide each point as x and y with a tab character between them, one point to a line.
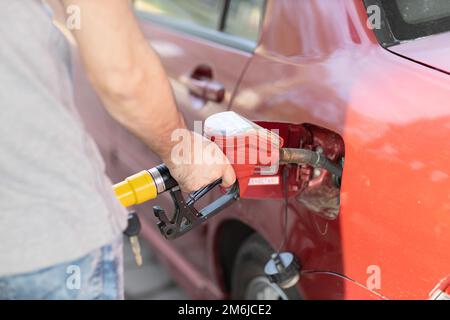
312	158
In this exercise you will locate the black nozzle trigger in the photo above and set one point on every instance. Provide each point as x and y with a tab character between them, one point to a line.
185	216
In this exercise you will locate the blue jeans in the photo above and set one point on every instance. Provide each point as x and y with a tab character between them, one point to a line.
98	275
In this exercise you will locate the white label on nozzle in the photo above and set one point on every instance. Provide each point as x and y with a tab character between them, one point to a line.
264	181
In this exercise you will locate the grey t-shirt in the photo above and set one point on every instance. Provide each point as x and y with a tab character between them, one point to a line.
56	203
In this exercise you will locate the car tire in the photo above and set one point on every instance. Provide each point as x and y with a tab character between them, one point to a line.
248	281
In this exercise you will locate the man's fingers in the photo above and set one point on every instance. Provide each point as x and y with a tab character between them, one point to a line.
229	177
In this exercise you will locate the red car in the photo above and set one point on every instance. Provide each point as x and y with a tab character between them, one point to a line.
369	82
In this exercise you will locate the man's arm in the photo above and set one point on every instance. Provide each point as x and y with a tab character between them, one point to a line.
126	73
131	81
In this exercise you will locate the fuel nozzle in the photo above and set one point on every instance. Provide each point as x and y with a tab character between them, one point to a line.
148	184
144	186
283	269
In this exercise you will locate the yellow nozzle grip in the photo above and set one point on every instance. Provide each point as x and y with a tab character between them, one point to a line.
136	189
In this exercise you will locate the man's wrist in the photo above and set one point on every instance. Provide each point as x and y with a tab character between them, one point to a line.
167	139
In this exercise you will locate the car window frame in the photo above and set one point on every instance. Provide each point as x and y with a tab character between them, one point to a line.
215	35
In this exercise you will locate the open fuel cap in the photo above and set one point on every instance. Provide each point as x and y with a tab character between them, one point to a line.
283	269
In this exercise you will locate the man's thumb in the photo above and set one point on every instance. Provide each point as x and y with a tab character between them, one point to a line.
228	177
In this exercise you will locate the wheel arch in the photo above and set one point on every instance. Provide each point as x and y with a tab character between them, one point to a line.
230	236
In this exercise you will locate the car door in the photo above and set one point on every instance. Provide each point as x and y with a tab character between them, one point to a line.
205	46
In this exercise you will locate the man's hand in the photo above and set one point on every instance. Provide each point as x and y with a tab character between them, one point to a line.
131	81
191	173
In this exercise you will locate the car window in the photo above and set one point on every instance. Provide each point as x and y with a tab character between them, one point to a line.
204	13
411	19
244	18
420	11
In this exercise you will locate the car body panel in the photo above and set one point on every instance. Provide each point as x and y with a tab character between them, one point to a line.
392	114
433	51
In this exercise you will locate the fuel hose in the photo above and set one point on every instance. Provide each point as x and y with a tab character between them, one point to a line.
312	158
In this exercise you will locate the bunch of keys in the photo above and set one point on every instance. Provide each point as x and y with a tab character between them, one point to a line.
132	231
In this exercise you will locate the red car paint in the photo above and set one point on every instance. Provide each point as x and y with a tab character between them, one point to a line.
428	51
318	64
